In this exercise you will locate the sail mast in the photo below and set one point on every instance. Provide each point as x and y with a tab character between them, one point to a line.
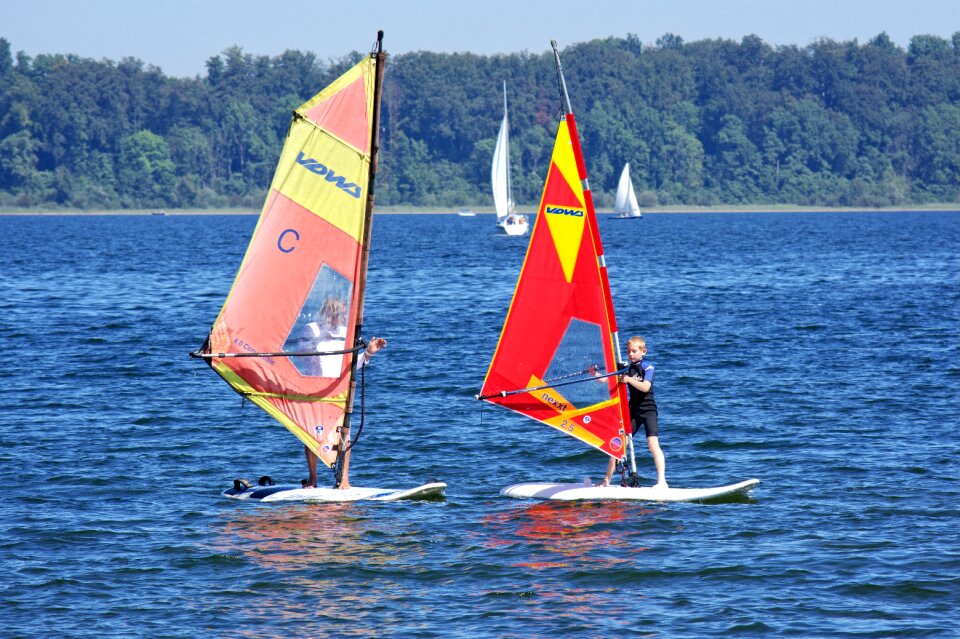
592	221
343	452
381	59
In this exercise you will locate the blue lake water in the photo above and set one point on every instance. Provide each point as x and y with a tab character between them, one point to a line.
817	352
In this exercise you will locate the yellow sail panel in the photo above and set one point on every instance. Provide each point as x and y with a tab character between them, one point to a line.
566	160
550	396
565	215
323	175
321	167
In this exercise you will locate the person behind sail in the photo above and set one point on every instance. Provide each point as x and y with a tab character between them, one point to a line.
643	407
375	344
327	333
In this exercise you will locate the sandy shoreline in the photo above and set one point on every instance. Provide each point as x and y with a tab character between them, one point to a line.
780	208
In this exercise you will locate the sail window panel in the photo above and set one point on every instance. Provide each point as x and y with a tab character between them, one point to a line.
322	325
579	356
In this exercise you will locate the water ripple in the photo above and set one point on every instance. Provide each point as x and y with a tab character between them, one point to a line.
814	351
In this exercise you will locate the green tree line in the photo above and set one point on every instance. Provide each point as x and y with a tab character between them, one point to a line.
706	122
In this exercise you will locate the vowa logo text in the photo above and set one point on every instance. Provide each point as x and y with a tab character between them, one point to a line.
315	166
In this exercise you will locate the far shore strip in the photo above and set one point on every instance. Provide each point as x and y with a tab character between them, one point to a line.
402	210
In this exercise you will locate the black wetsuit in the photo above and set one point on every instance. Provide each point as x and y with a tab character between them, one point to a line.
643	406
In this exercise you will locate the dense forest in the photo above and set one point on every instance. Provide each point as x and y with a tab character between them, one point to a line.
706	122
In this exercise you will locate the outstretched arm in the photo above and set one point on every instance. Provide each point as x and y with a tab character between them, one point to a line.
375	344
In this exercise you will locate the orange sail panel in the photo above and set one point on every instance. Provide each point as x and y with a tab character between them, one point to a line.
299	285
558	329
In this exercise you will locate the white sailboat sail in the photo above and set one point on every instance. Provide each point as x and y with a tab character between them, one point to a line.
507	218
500	171
626	203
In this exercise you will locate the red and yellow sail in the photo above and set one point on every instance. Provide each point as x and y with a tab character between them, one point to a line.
300	285
557	343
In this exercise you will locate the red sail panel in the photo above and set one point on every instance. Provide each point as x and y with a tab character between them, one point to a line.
299	286
559	328
598	248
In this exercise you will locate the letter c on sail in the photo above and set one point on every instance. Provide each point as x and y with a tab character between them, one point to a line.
296	237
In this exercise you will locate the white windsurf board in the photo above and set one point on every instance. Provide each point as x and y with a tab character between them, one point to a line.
292	492
589	491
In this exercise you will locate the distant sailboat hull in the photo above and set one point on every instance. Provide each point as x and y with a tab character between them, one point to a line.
585	491
514	228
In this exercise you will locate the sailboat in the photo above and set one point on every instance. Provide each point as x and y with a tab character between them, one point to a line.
557	357
508	220
288	336
625	206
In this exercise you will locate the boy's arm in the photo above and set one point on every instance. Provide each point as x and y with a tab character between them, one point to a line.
641	385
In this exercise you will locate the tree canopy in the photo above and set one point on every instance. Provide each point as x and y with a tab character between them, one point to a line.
706	122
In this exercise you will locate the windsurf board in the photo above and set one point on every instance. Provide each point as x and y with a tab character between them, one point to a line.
588	491
292	492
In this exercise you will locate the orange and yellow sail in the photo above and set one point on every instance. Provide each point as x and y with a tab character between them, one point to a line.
299	288
557	348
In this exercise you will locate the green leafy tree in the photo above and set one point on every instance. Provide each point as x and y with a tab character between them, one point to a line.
938	152
18	161
6	58
145	170
708	121
734	168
